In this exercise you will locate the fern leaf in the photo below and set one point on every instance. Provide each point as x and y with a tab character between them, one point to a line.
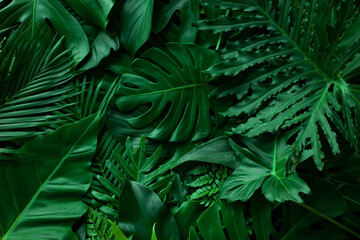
98	226
208	180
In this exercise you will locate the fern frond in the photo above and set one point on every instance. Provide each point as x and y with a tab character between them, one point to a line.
98	226
98	196
207	182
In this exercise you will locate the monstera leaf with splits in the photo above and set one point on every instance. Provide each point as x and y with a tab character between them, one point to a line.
172	83
289	74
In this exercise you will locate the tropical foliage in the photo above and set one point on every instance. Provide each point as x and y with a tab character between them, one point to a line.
179	119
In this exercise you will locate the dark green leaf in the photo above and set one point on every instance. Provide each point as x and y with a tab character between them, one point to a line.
136	18
209	224
96	12
172	82
36	12
140	209
186	216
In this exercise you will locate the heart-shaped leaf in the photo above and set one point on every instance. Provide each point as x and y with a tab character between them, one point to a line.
263	163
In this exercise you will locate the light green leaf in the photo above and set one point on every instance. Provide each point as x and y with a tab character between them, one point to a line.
43	184
118	234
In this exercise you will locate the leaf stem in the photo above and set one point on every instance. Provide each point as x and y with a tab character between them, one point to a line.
343	227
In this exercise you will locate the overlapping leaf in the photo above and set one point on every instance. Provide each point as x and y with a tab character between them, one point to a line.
34	74
42	183
37	12
97	12
140	209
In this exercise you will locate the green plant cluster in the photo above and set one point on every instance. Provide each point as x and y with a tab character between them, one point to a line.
179	119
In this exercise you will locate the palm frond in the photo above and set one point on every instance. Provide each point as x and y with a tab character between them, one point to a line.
35	70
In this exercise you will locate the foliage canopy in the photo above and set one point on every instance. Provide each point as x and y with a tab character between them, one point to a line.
179	119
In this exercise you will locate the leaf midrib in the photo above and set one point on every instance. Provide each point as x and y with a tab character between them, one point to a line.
44	183
205	84
284	33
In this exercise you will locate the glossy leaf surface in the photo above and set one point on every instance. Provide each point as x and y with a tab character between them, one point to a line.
36	12
263	164
140	209
96	12
172	82
43	183
136	18
298	87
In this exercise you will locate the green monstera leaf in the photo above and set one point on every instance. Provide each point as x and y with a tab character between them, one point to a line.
172	83
263	163
37	12
289	75
43	182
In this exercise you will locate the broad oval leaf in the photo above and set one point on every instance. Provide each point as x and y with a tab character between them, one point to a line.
94	11
209	223
216	151
173	83
136	18
42	185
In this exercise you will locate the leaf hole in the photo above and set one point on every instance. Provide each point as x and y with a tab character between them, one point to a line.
151	78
